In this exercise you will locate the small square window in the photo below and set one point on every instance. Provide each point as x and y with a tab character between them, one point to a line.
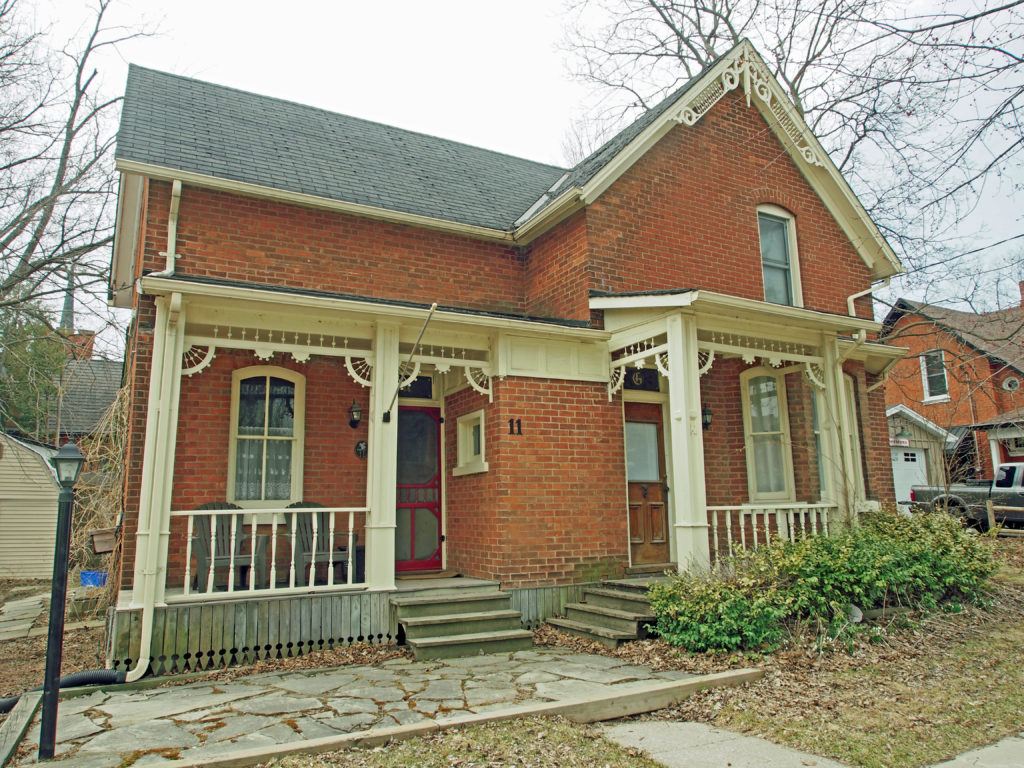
470	448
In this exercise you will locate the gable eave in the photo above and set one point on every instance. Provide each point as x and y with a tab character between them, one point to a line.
744	68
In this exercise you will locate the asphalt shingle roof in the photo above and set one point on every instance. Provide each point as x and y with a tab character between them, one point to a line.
89	388
999	334
188	125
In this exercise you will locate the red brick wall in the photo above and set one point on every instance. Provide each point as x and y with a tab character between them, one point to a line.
551	509
685	216
231	237
557	271
975	384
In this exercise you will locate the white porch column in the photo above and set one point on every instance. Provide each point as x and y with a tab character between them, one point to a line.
158	453
381	461
686	472
836	421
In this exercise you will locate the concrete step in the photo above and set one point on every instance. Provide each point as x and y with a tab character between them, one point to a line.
461	623
450	646
632	622
446	604
628	600
652	569
603	635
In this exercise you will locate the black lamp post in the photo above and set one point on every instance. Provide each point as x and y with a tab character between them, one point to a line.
68	463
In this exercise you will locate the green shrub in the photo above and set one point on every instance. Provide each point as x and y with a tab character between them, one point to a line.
887	560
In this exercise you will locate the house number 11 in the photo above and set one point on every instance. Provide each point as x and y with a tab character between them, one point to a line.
515	426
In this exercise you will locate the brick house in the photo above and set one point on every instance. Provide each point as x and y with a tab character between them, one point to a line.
962	374
633	364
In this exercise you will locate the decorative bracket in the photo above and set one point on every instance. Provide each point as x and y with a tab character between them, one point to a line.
195	361
705	357
405	382
480	381
815	374
616	380
360	369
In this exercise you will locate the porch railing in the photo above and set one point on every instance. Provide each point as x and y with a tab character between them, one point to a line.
749	526
231	551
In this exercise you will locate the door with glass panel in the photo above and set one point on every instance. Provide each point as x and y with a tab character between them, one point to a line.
418	517
645	479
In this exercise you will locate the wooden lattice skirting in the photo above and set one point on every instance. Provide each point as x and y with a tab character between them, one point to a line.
193	637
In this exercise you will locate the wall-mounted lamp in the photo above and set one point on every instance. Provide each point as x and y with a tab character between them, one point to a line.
355	414
706	417
904	433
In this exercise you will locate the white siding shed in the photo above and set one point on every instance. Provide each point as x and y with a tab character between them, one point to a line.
28	510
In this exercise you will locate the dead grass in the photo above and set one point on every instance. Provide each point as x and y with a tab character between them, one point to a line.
522	743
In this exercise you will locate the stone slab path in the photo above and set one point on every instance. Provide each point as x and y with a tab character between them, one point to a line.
205	720
17	616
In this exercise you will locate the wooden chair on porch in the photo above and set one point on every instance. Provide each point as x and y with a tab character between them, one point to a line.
215	551
324	551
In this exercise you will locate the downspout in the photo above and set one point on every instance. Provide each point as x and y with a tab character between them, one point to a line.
156	480
170	255
861	336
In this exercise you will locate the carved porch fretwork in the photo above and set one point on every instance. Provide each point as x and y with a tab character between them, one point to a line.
705	357
615	382
815	374
197	359
750	348
265	343
479	380
746	71
360	369
407	373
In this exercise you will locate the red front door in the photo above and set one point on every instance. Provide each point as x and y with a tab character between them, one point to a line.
418	518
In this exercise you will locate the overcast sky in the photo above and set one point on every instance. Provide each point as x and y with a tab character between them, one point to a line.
487	73
482	72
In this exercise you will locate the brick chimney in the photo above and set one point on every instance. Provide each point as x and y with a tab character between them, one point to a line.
80	344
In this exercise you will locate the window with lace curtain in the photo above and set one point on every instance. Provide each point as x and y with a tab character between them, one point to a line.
766	433
265	465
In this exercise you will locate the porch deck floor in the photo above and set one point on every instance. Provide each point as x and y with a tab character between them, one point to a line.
203	721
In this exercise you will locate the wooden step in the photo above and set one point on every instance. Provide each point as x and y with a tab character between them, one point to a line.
441	605
451	646
617	599
461	623
603	635
633	622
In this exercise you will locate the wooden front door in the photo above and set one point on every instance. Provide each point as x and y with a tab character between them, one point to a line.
645	477
418	513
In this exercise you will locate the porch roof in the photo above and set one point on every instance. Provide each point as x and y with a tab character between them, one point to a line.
216	288
719	304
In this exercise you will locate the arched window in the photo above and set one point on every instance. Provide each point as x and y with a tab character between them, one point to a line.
766	433
265	455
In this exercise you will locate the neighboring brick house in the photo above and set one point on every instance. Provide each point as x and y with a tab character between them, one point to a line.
707	267
963	374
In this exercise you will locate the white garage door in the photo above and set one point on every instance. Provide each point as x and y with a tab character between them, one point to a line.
908	468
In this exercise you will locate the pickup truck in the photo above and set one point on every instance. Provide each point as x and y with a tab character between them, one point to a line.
968	499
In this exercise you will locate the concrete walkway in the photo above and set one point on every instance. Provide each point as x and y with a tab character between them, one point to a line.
695	745
17	616
201	723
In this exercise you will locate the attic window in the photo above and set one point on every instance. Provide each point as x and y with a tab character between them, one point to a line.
777	234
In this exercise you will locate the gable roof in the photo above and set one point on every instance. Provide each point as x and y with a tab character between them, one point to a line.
89	389
998	335
176	128
183	124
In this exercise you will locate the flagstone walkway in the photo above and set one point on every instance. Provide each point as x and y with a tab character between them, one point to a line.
205	720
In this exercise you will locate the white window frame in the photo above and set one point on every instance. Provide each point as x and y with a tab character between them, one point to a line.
926	390
469	461
788	492
298	434
775	212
